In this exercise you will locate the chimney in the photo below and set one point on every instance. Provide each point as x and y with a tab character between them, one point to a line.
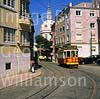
85	5
70	4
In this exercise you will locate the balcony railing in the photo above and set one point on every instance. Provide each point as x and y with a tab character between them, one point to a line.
25	19
25	44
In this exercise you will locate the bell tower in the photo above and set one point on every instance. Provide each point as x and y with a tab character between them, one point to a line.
49	14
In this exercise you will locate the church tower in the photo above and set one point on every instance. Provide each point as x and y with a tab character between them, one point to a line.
45	29
49	14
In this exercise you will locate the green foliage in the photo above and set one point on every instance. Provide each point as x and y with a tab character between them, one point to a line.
43	42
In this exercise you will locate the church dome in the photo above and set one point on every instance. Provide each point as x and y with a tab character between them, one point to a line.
46	26
45	29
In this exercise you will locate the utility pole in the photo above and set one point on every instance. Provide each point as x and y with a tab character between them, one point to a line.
91	44
40	49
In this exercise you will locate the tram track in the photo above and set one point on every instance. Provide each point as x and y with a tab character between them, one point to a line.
93	88
47	90
56	91
45	73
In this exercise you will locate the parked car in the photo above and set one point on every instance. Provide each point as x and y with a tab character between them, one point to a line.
42	58
98	61
89	60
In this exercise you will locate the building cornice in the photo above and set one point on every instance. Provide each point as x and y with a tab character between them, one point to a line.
7	8
85	8
8	26
8	44
84	43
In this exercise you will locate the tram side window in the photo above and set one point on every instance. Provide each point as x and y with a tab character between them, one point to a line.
60	55
73	53
68	53
64	54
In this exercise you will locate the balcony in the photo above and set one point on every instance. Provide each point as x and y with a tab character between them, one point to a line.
24	20
52	39
25	44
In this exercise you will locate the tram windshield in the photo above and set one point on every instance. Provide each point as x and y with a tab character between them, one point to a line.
72	53
68	53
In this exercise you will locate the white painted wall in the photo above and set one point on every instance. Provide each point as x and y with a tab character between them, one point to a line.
85	50
19	63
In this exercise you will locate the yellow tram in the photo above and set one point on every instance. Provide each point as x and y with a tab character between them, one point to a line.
68	56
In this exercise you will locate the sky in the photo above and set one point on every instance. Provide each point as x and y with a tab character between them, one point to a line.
39	8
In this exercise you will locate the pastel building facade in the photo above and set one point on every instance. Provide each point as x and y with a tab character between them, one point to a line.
78	25
15	35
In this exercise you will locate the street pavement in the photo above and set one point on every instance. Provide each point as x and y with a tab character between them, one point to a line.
73	88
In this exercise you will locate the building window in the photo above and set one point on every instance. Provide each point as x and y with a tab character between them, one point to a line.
67	38
4	2
92	25
61	29
25	38
46	26
78	25
8	66
24	8
79	46
9	3
93	48
78	12
78	37
46	36
79	40
92	13
9	35
79	34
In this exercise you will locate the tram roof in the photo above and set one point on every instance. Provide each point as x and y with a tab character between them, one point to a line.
68	48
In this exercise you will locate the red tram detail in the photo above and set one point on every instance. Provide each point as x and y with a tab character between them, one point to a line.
68	56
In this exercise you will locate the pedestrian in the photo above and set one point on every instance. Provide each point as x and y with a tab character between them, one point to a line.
32	66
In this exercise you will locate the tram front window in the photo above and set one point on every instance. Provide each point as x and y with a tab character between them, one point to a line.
73	54
68	53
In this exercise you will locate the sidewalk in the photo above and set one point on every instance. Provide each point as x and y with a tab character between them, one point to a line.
15	79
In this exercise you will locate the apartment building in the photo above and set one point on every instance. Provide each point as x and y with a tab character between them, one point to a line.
15	36
60	29
78	25
53	43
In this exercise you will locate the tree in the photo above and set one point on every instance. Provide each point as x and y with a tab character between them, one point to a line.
45	44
